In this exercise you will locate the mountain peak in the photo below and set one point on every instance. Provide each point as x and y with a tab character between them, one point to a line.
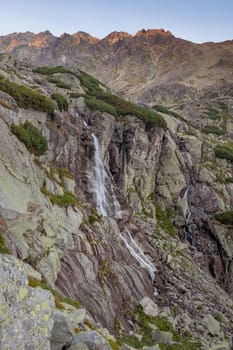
153	32
83	36
115	36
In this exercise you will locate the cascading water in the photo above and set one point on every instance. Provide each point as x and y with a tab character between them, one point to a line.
101	196
100	192
188	232
139	255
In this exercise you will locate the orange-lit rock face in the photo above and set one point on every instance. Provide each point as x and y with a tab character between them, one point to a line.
114	37
84	37
41	40
153	32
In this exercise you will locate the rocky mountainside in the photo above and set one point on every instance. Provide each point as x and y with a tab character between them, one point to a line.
115	220
150	66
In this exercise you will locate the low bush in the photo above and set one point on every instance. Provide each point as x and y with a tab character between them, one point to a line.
90	83
213	130
99	105
61	101
123	107
164	221
60	84
165	110
51	70
26	97
65	200
32	138
225	218
224	152
213	114
3	248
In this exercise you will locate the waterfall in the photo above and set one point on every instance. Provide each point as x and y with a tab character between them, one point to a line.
100	191
101	196
139	255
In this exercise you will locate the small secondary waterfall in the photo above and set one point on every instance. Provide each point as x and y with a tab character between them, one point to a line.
189	236
139	255
100	191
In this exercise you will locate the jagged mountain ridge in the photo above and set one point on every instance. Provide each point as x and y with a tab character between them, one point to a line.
149	66
157	173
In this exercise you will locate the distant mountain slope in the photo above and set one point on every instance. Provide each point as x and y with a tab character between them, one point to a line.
151	65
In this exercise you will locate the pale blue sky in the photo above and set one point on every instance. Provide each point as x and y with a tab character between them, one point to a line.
195	20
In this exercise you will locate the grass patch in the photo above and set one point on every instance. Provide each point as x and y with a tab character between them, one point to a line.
3	247
213	130
58	298
225	218
61	101
224	152
65	200
164	221
26	97
32	138
146	323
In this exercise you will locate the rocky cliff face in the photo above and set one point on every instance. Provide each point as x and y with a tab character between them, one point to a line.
150	66
158	268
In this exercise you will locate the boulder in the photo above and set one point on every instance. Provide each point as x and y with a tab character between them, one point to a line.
213	325
149	307
92	339
61	333
162	337
25	312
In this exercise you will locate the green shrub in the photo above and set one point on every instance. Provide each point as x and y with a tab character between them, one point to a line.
146	323
31	137
99	105
224	152
213	114
75	95
123	107
3	248
65	200
164	221
225	218
90	83
26	97
61	101
60	84
51	70
98	99
212	130
165	110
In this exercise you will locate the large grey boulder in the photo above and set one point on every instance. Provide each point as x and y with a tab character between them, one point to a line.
25	312
92	339
61	333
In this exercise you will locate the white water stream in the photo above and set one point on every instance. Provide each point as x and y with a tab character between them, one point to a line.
136	251
188	232
100	192
101	196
